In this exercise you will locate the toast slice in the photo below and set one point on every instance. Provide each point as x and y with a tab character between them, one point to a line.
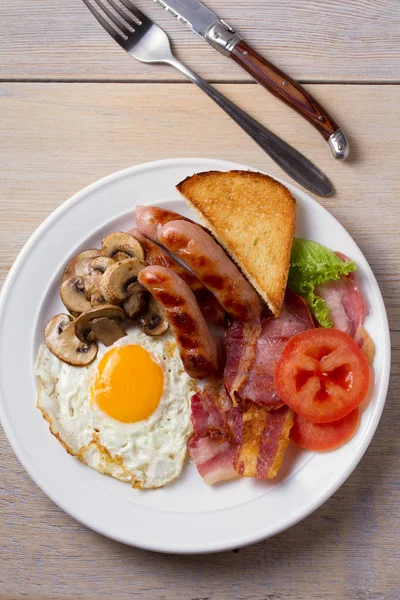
253	217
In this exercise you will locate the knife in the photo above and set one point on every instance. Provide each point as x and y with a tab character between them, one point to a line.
222	36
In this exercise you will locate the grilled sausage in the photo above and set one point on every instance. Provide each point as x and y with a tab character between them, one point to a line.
155	255
208	261
149	218
196	345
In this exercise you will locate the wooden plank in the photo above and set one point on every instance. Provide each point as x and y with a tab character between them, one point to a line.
56	138
334	40
346	549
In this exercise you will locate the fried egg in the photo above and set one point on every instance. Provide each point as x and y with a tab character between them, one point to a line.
127	414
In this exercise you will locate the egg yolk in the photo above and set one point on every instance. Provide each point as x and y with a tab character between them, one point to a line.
128	384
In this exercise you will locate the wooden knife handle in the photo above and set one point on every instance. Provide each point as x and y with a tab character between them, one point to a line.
284	88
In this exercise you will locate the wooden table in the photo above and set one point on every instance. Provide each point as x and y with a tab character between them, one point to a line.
73	108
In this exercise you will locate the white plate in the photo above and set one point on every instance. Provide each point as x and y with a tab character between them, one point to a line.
187	516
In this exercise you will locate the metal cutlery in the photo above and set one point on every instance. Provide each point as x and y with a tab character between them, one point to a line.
147	42
222	36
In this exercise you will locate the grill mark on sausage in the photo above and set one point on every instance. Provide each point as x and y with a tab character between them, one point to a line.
198	260
155	279
187	342
199	361
218	282
201	254
210	307
183	320
188	277
239	309
196	345
154	255
177	239
168	299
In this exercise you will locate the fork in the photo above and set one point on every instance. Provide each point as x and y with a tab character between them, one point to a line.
148	43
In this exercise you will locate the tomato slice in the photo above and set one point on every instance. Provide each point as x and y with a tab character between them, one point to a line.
322	375
324	436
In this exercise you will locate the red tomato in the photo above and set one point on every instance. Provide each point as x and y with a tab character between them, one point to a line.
324	436
322	375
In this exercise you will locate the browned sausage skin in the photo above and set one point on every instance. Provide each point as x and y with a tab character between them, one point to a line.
208	261
150	218
196	345
155	255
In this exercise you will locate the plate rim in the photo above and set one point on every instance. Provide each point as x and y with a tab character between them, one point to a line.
226	544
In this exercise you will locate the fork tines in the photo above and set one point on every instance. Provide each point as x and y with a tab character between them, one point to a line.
122	21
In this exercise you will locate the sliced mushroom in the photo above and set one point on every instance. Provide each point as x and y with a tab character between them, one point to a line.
79	265
72	292
115	282
106	331
153	321
136	301
121	256
97	267
101	324
60	338
120	241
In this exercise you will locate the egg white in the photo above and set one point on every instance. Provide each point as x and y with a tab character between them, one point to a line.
148	453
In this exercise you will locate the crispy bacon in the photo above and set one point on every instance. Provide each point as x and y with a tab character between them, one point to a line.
251	442
265	439
259	387
241	341
249	371
221	353
213	458
207	418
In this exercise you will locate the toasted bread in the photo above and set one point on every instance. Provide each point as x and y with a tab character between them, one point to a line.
253	218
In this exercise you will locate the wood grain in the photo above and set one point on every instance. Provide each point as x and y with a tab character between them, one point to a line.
56	138
333	40
283	87
348	549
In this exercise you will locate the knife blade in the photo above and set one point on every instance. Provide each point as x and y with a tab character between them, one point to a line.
193	14
220	35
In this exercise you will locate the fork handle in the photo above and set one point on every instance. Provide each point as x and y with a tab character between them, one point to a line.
290	160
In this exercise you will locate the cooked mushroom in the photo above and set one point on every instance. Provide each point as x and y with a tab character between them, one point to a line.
79	265
120	256
106	331
72	292
115	282
97	267
60	338
101	324
136	301
153	321
120	241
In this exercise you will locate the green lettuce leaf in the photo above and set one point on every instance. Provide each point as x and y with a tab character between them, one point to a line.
312	264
